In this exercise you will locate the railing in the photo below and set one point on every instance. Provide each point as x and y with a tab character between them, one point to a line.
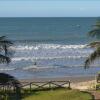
97	85
45	84
39	85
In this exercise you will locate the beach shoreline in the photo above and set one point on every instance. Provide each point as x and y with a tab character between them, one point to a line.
80	82
74	79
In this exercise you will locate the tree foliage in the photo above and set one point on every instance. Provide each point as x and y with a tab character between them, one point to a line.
95	33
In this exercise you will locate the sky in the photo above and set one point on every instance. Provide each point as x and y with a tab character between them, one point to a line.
49	8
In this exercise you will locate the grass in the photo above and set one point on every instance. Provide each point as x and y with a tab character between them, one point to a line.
54	94
59	94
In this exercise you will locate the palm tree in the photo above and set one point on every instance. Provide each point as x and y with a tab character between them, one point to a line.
4	50
96	54
7	80
96	30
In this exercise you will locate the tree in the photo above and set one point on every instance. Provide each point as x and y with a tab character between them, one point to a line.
95	33
96	54
7	80
4	50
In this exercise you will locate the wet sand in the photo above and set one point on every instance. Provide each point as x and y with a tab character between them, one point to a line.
71	79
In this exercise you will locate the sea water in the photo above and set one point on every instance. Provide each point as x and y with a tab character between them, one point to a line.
48	47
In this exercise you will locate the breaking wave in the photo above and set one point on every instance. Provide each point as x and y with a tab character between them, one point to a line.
48	46
48	55
50	51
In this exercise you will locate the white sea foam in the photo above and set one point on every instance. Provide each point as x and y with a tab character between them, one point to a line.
36	67
7	69
45	52
46	58
49	46
48	55
53	67
30	67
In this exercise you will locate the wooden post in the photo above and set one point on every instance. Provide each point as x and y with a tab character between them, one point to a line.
6	97
49	84
30	87
96	81
69	84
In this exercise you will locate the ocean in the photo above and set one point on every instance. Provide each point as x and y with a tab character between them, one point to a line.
48	47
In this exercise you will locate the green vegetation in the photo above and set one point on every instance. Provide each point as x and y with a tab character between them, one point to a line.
5	52
95	32
7	82
59	94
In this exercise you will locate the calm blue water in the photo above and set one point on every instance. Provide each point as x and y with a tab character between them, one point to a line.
55	45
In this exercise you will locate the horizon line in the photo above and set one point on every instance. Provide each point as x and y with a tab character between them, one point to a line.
46	16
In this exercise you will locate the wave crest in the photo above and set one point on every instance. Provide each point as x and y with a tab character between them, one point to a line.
48	46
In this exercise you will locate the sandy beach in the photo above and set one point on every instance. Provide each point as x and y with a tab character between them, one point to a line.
81	83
